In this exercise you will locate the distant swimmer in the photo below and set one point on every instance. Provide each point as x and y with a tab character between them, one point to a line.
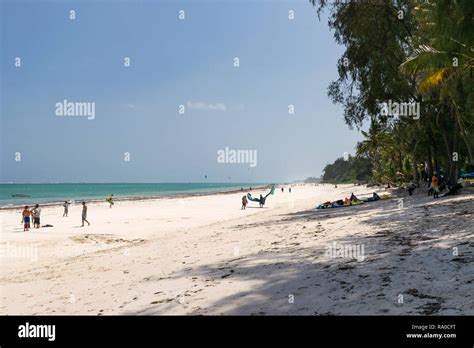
84	214
26	219
110	200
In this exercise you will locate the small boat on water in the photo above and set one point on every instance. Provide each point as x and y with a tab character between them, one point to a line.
20	195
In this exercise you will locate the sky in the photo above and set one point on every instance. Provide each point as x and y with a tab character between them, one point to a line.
139	132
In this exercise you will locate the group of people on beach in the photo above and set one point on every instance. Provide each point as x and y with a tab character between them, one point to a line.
26	217
436	186
261	202
36	213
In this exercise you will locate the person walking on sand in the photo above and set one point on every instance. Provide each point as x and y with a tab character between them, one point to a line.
244	202
66	208
36	216
111	200
289	190
84	214
25	219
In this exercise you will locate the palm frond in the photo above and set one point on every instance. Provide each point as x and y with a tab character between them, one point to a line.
434	79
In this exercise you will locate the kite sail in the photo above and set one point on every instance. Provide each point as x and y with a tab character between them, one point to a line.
261	200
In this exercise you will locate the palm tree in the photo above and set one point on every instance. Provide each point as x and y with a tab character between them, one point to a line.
443	62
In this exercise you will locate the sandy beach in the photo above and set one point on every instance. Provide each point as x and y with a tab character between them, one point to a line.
203	255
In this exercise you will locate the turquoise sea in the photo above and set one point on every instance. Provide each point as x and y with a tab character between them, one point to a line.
28	194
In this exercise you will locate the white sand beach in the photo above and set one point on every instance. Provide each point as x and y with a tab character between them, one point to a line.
204	255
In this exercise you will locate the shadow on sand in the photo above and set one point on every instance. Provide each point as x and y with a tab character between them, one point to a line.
409	253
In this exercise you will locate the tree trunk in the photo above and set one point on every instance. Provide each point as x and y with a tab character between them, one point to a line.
452	153
429	164
415	169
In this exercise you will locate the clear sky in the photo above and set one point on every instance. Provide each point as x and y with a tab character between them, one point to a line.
173	62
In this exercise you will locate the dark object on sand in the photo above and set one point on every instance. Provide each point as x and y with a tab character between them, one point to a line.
352	201
375	197
453	190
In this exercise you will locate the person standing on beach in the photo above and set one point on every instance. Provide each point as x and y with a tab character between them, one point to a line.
435	185
84	214
244	202
282	189
261	201
289	190
36	216
111	200
26	219
411	188
66	208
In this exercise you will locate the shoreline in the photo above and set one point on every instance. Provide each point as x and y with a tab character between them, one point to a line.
142	198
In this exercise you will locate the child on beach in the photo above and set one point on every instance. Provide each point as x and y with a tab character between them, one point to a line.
26	219
84	214
36	216
244	202
66	208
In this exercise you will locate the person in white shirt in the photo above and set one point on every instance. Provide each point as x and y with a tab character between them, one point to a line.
36	212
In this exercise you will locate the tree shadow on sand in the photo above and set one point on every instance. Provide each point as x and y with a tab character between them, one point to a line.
409	267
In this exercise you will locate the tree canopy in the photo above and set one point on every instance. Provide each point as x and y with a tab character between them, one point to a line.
407	53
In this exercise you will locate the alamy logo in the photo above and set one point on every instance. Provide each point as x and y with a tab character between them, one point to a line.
350	251
8	250
37	331
68	108
237	156
408	109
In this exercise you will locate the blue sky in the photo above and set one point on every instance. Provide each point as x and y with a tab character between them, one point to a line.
173	62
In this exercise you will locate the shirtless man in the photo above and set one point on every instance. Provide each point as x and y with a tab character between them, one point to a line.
26	219
66	208
84	214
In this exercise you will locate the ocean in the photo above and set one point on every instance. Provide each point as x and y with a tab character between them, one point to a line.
12	195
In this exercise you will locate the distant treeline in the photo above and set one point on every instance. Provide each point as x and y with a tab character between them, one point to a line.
312	180
354	169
